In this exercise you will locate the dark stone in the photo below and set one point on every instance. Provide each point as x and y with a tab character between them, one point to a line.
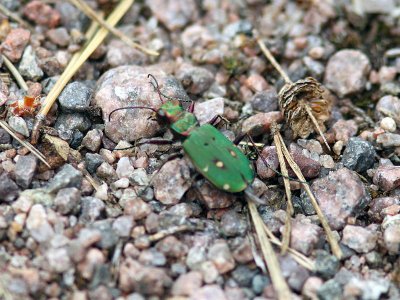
25	170
5	138
359	155
109	238
330	290
67	122
302	205
326	265
259	282
93	161
265	101
68	176
76	139
244	275
75	97
8	188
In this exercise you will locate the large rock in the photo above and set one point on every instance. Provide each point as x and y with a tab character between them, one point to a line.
128	86
341	194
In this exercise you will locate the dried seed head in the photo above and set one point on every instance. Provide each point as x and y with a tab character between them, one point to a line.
293	99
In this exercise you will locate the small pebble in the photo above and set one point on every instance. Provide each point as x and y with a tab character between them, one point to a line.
359	239
14	44
388	124
346	72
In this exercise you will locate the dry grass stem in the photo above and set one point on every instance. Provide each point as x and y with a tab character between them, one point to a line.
331	239
258	260
172	230
259	145
77	61
32	149
297	256
273	61
15	17
91	180
281	288
14	71
316	125
289	205
87	10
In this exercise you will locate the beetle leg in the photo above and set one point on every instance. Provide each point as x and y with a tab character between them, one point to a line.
266	163
216	119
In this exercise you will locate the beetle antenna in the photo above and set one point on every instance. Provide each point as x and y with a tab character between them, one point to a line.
155	86
129	107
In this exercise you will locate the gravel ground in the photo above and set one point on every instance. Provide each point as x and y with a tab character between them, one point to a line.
62	239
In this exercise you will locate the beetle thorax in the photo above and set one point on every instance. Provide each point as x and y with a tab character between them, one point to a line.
181	121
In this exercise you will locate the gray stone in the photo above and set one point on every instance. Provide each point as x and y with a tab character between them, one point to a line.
330	290
75	97
388	140
38	225
259	282
326	265
67	200
388	106
234	28
359	155
67	176
368	289
244	275
71	17
29	66
91	209
195	257
93	161
152	257
5	138
106	172
196	80
315	67
58	260
59	36
25	170
139	177
123	226
36	196
359	238
19	125
67	123
8	188
232	224
265	101
109	238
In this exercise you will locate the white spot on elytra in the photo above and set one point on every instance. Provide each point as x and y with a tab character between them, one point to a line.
226	186
205	169
219	164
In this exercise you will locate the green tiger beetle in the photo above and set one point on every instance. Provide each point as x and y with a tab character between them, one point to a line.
212	154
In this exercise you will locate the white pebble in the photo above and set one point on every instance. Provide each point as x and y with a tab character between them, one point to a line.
388	124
